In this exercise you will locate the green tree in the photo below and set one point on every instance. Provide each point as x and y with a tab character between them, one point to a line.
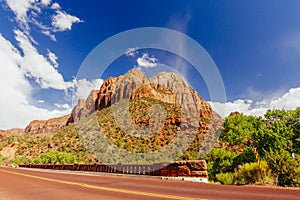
239	129
54	157
285	168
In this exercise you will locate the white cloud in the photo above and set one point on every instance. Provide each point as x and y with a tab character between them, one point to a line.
55	6
50	35
63	21
45	2
63	106
146	61
23	63
289	101
37	66
53	58
16	91
131	52
83	87
20	9
28	12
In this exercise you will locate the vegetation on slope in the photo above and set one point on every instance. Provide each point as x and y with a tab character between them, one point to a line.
276	137
111	134
144	138
30	147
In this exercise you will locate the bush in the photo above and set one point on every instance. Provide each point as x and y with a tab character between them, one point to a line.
227	178
219	161
297	177
2	159
54	157
285	168
21	160
249	173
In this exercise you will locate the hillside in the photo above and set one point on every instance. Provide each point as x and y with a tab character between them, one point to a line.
131	118
140	119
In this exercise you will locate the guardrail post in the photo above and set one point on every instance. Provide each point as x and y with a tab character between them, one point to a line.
119	168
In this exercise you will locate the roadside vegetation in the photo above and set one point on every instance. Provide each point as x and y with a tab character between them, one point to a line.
277	140
275	137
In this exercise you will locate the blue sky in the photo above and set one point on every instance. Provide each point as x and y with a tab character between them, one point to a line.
254	44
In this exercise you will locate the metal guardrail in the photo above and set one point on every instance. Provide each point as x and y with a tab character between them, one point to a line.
157	169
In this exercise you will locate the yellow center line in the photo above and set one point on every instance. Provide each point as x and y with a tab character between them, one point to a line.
105	188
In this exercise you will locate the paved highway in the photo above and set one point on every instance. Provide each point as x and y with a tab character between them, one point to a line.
24	184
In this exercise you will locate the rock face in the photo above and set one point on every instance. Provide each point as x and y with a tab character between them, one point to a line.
10	151
194	168
14	131
166	86
84	107
46	126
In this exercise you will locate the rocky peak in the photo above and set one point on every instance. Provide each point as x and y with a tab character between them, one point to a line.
185	96
169	87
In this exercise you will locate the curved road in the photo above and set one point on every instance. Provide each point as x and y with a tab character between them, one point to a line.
24	184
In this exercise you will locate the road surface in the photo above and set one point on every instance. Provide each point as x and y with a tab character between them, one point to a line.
24	184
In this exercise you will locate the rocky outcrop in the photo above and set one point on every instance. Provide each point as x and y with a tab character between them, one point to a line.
167	87
10	151
46	126
84	107
186	97
106	91
234	113
14	131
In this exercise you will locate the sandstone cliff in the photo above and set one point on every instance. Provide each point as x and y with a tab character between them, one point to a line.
166	86
46	126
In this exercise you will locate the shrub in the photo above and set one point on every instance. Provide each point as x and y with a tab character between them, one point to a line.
21	160
227	178
284	167
3	159
220	161
249	173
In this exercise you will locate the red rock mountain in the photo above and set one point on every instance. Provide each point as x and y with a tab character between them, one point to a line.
166	86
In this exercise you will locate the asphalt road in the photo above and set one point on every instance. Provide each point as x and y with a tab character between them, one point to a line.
23	184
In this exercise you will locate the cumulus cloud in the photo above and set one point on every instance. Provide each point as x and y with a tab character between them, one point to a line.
289	101
83	87
22	63
16	91
63	21
36	66
131	52
46	2
146	61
